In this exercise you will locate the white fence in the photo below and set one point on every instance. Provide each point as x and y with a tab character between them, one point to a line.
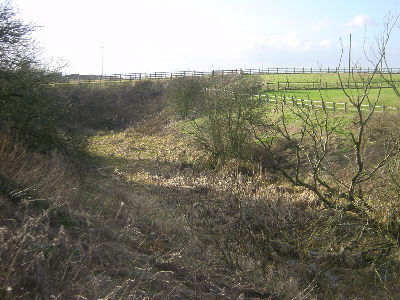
321	104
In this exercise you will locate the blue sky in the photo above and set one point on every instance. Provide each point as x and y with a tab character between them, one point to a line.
172	35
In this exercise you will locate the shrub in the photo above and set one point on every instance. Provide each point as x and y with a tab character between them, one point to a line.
31	108
227	109
28	106
185	96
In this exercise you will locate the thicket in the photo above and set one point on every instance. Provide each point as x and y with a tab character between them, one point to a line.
220	110
112	106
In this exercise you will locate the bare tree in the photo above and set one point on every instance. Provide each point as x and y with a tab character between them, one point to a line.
342	159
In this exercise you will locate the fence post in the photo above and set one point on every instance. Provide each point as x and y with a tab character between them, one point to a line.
323	104
267	99
276	99
302	102
293	101
383	108
334	106
312	103
345	106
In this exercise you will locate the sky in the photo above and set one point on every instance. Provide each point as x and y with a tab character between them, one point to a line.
127	36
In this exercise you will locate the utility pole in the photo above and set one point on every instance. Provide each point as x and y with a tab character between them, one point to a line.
262	59
350	54
102	61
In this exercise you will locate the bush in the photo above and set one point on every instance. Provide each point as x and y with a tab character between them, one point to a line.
28	106
31	109
225	107
185	96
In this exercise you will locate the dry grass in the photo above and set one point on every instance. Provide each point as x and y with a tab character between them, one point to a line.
33	189
259	232
151	219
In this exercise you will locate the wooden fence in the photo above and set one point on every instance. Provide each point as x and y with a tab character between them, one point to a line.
115	78
316	85
321	104
295	70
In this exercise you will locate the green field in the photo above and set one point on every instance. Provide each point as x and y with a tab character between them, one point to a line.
386	96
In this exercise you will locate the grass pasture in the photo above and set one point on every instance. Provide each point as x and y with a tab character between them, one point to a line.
314	88
387	97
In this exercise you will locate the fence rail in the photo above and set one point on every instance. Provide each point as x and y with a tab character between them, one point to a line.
77	78
316	85
321	104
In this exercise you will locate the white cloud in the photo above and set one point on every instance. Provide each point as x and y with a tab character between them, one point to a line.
360	21
290	41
